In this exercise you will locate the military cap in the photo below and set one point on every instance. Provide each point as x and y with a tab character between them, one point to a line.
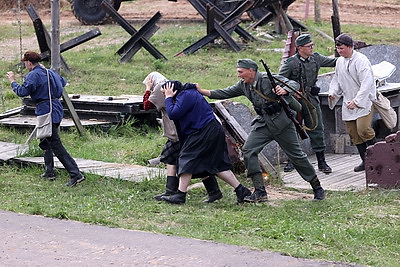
247	64
303	39
344	39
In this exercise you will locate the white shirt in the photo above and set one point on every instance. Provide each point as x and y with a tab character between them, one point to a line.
354	80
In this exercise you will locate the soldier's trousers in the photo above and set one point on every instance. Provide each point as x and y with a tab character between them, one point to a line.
287	140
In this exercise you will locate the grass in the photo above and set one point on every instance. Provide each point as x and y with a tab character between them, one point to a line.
352	227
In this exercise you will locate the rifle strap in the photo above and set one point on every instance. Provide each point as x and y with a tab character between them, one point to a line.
265	97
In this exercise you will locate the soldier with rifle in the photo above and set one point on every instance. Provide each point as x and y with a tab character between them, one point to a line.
272	123
303	67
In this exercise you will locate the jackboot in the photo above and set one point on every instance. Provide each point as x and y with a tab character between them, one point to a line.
288	167
211	185
319	192
362	148
241	192
371	142
259	195
177	198
322	165
171	187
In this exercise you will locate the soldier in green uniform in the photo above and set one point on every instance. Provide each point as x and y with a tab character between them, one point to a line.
303	67
272	123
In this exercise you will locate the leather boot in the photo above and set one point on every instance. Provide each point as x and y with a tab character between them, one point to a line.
171	187
371	142
212	188
241	192
362	148
288	167
322	165
177	198
259	195
319	192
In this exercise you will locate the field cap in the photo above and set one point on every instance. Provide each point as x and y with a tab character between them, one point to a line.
303	39
247	64
31	56
344	39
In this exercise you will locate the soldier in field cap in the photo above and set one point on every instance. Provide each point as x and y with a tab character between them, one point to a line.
303	67
272	123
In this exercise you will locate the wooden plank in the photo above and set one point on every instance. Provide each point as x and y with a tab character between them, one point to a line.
343	176
30	122
241	136
127	172
10	150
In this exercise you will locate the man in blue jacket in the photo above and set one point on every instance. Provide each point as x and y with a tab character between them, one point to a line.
36	86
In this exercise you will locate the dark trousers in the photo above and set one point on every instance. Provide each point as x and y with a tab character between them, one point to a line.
52	145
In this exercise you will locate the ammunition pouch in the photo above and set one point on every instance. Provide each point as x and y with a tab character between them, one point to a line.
272	108
314	90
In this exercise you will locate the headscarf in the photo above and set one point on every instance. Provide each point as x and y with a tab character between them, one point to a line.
156	77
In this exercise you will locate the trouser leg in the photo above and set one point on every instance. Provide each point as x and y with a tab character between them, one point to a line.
63	156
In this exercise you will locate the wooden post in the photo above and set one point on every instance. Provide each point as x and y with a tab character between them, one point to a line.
56	58
307	9
317	12
335	21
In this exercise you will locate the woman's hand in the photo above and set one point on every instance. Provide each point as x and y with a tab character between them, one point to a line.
169	90
149	83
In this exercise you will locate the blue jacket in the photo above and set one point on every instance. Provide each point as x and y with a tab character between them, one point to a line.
35	86
189	111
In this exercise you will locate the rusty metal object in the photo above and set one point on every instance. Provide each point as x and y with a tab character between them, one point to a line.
382	163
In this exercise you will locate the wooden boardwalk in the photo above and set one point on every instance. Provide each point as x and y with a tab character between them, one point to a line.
342	178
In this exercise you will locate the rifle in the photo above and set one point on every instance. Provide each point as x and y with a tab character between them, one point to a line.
299	116
285	105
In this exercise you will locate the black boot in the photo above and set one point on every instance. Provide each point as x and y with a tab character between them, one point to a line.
371	142
177	198
212	188
319	192
289	167
241	192
362	148
171	187
259	195
322	165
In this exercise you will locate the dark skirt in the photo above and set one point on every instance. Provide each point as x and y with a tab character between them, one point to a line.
170	153
205	152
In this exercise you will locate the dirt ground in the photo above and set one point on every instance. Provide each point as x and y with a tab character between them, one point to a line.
369	12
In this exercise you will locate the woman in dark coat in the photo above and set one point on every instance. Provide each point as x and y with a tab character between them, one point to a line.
203	147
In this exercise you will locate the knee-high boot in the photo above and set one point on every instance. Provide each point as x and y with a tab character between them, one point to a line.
211	185
362	148
322	165
171	187
319	192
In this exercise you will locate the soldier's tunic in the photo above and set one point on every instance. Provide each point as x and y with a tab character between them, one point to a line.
266	127
308	68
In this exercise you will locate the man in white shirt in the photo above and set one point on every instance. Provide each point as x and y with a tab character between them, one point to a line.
354	80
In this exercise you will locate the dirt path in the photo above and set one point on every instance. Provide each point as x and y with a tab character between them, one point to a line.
28	240
368	12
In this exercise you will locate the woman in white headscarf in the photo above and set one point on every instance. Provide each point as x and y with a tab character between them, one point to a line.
154	98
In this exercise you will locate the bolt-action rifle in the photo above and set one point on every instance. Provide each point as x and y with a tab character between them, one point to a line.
285	105
299	116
